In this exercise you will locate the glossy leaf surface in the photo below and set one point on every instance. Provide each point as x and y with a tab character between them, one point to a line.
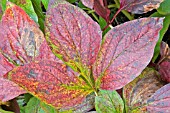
138	6
137	92
159	102
74	36
126	51
109	102
52	82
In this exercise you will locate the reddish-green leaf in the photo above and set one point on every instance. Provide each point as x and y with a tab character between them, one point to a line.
137	92
126	51
52	82
9	90
138	6
164	70
74	36
21	41
160	101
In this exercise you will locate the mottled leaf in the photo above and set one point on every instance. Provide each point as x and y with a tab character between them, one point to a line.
74	36
83	107
138	6
164	70
52	82
21	41
141	89
9	90
109	102
126	51
160	101
164	7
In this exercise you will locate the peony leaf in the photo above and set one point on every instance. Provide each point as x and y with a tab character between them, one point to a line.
137	92
52	82
159	102
74	36
138	6
109	102
126	51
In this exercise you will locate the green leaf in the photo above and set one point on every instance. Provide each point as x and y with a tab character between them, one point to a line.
103	23
166	23
71	1
45	3
109	102
27	6
39	12
164	7
36	106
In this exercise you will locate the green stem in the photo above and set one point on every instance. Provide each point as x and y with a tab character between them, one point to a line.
96	18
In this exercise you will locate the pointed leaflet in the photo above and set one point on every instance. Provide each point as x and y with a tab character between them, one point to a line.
139	6
137	92
164	70
21	41
52	82
126	51
73	35
160	101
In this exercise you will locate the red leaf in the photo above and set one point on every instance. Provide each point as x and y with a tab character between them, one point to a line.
9	90
21	42
20	38
73	35
160	101
100	7
52	82
88	3
126	51
138	6
137	92
164	70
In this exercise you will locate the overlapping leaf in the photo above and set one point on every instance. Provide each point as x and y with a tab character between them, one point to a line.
21	42
138	92
52	82
88	3
138	6
160	101
73	35
126	51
